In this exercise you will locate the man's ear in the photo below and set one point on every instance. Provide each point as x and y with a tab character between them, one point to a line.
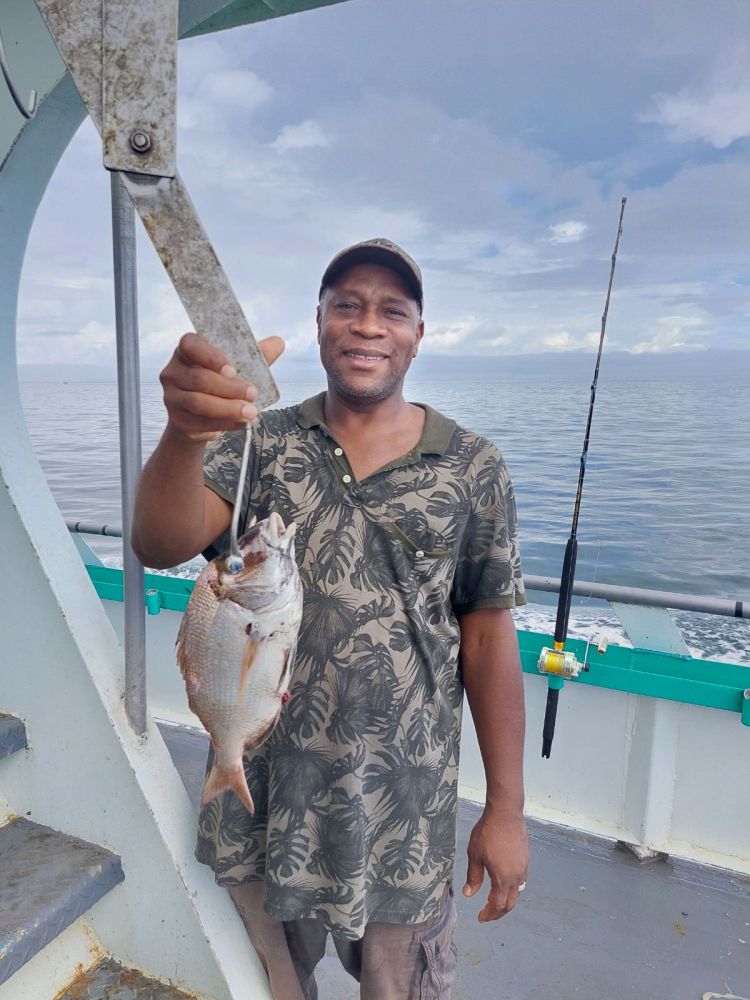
317	321
420	334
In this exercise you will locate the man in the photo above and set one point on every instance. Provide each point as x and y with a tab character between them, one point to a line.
406	543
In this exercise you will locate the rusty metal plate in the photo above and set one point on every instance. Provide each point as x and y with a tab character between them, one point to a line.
139	115
118	982
199	279
163	203
76	28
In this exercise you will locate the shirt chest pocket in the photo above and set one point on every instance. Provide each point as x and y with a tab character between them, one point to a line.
429	555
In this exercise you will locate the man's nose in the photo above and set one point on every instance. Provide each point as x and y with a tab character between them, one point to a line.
368	323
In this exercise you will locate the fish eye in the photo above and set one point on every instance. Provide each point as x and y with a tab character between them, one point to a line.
234	564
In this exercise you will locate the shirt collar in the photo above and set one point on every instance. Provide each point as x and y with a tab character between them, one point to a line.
436	434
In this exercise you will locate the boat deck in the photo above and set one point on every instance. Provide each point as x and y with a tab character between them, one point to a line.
594	924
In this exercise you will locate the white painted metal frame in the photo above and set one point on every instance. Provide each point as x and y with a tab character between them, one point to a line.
85	772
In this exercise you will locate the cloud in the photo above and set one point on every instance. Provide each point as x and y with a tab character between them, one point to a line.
93	343
673	333
221	93
443	339
239	88
163	322
567	232
561	341
717	113
306	135
75	282
288	158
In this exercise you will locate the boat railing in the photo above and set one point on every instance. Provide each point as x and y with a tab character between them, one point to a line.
638	596
657	664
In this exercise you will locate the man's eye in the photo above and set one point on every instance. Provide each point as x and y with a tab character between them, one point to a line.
344	305
396	312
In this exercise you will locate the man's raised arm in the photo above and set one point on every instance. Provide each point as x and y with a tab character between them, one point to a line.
176	515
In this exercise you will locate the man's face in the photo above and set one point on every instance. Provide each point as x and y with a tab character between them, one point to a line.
369	331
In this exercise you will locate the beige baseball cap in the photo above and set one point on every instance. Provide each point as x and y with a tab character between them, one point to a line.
376	251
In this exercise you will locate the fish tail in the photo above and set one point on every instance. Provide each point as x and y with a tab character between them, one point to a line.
219	781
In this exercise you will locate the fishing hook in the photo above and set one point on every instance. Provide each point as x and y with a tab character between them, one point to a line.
29	112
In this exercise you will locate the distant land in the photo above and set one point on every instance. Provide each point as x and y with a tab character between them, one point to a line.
576	365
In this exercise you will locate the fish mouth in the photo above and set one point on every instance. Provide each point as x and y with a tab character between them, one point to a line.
271	532
264	540
276	528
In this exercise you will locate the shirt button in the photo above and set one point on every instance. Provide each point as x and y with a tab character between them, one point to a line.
338	451
347	479
419	553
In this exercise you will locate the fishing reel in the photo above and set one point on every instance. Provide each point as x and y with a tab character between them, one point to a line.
560	663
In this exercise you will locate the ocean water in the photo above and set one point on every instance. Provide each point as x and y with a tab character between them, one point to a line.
666	503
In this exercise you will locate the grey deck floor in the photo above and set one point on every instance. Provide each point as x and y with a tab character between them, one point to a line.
592	925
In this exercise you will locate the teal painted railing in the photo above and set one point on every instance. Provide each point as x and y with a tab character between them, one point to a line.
710	683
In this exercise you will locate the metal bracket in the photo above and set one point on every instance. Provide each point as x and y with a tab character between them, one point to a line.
138	107
171	221
139	86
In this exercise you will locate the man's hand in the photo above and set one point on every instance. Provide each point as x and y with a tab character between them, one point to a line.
202	392
498	843
175	515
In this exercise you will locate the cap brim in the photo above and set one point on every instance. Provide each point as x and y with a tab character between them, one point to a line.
372	255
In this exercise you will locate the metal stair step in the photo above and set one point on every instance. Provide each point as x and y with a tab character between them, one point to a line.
48	880
12	735
110	981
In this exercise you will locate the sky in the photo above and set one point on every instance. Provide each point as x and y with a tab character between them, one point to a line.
492	139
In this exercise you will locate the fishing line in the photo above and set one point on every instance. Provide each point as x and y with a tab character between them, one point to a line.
234	561
599	547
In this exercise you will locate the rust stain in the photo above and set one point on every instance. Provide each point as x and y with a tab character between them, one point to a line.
118	977
80	980
75	989
679	927
473	958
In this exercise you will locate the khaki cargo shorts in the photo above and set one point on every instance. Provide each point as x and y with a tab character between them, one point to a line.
391	961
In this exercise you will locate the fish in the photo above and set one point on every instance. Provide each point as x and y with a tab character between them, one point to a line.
236	647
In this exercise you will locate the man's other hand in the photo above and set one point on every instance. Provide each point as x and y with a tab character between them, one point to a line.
499	844
202	392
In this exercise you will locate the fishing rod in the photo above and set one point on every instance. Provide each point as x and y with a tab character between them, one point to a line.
558	664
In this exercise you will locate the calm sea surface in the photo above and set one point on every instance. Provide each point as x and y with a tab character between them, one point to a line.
666	501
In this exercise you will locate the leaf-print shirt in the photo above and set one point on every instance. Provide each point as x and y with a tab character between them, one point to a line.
356	789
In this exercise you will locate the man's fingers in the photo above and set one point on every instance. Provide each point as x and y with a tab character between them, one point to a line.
474	877
272	348
212	408
195	350
221	384
501	900
202	391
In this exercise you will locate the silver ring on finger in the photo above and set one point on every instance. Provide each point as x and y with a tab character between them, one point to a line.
521	887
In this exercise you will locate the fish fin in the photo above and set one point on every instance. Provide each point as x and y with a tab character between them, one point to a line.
255	640
286	673
180	647
219	781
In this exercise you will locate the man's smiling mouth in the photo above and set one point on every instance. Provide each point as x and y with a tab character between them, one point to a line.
362	356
